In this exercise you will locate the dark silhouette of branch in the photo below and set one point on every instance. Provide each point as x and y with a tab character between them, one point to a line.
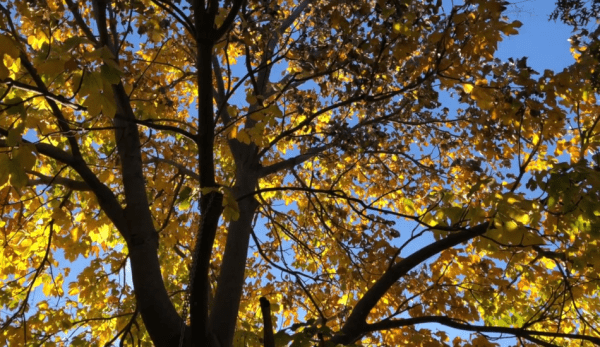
356	325
182	169
52	180
237	4
449	322
265	308
291	162
105	196
25	302
59	99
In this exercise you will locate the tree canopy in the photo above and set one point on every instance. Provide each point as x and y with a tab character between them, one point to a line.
362	167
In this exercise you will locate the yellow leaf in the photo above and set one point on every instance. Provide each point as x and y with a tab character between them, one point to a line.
510	225
47	288
344	299
522	218
104	232
468	87
25	243
37	40
73	288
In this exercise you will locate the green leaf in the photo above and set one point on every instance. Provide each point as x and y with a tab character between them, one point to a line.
94	104
92	83
9	47
25	157
73	42
282	338
110	74
4	168
51	66
15	106
99	102
18	177
15	134
4	73
184	199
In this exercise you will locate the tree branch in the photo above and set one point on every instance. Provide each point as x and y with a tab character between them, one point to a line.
231	279
293	16
204	19
291	162
220	93
60	118
108	202
162	321
177	14
80	22
99	7
199	276
265	308
153	125
237	4
356	325
184	170
307	121
45	93
449	322
52	180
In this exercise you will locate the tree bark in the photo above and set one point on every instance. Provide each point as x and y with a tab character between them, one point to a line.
230	284
158	313
161	320
265	308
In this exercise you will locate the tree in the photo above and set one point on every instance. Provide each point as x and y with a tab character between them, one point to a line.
159	133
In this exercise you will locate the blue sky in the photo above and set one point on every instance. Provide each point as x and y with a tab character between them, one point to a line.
544	42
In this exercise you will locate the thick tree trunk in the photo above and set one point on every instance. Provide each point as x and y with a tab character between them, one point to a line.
210	203
160	318
231	279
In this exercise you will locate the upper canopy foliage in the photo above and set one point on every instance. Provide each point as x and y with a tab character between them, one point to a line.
297	133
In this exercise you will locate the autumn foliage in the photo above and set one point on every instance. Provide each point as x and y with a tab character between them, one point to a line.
366	167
